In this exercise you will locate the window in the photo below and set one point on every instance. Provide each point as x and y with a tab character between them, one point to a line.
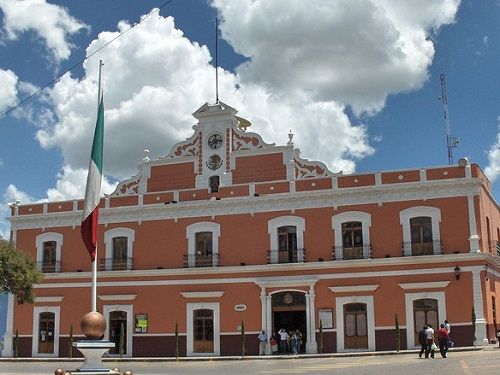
286	234
48	252
213	183
119	249
421	234
203	245
352	235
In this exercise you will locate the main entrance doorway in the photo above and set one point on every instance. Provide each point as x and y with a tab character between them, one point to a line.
289	313
425	312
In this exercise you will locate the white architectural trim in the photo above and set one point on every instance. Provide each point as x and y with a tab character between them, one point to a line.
9	327
117	297
204	226
285	282
202	294
477	295
119	232
37	310
272	230
427	285
410	322
345	217
409	213
190	308
50	236
49	299
370	319
354	288
129	309
473	236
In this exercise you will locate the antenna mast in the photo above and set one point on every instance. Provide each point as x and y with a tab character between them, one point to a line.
216	61
451	142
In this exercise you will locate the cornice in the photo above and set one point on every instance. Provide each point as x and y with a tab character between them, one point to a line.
331	266
263	203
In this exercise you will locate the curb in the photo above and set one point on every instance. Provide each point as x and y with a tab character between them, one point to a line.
245	358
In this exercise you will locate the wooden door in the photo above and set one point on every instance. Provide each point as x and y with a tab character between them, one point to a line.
117	323
355	326
425	311
203	329
46	333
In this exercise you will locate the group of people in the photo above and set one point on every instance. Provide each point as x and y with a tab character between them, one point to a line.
426	337
284	342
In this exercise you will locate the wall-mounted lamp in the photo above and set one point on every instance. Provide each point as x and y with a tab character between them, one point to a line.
457	272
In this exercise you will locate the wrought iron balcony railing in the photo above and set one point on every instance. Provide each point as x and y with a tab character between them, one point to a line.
288	256
200	260
116	264
352	252
422	248
49	267
495	247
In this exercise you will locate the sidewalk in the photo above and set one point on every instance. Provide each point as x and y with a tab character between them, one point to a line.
251	357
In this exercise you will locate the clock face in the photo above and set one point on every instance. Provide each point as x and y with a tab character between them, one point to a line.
215	141
214	162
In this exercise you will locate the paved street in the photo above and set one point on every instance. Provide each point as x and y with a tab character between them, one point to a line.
459	363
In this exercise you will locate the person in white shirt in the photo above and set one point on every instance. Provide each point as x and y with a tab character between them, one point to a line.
447	326
283	340
429	332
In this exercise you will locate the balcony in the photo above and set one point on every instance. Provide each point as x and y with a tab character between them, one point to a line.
422	248
495	247
200	260
288	256
354	252
49	267
119	264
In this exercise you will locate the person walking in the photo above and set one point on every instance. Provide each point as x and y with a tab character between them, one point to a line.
262	342
442	334
447	327
429	332
293	343
283	340
422	339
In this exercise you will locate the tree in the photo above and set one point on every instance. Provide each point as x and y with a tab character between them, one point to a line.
398	333
18	273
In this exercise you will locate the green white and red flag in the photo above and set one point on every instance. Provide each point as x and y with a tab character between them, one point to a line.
93	189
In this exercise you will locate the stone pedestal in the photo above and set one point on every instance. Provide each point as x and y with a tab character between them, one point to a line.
93	350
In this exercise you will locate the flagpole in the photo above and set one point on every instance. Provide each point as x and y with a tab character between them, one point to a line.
94	263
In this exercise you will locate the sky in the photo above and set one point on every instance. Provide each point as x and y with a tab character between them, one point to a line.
357	82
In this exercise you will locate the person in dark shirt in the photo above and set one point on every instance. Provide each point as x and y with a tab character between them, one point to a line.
422	339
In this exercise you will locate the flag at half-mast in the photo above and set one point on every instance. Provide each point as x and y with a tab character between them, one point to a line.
93	189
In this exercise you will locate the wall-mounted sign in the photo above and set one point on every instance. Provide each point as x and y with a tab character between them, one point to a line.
240	307
141	323
326	317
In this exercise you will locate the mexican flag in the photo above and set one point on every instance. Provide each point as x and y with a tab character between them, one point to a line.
93	190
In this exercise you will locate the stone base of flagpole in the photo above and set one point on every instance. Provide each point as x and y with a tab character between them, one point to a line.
93	326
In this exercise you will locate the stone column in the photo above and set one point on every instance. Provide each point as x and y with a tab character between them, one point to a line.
481	336
269	319
311	345
473	236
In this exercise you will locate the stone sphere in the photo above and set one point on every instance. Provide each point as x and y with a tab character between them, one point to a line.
128	373
93	325
59	371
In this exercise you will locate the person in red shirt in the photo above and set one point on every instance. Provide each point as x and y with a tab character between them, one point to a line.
442	334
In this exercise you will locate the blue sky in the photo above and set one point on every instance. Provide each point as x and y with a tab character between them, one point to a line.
356	82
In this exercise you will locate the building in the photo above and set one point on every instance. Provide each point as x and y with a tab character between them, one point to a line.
227	230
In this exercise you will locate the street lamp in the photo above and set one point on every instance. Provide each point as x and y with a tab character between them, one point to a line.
457	272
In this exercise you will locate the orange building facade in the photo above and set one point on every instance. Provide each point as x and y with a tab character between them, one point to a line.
227	230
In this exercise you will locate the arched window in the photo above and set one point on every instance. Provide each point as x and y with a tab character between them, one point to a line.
352	235
119	249
203	245
286	239
421	234
48	252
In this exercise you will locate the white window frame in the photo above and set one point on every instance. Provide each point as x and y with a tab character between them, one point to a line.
272	229
434	213
410	321
190	308
205	226
370	320
108	242
37	310
51	236
346	217
129	309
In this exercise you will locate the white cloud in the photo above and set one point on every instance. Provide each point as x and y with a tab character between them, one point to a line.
50	22
493	168
8	89
154	78
352	52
